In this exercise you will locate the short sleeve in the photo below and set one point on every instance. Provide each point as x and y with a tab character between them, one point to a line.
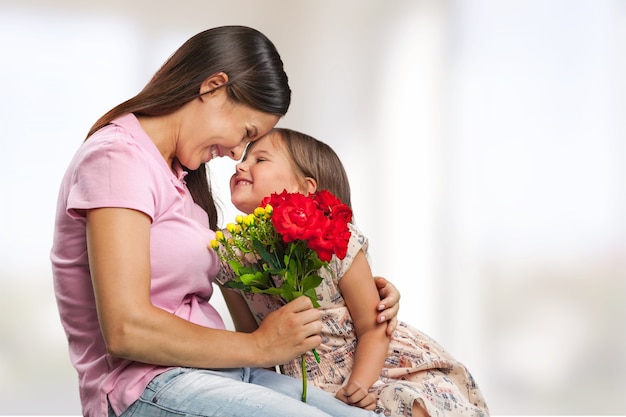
112	171
357	242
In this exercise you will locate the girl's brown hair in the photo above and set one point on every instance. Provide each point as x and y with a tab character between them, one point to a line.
315	159
256	78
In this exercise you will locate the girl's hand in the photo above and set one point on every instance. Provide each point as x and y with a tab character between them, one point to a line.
389	304
354	394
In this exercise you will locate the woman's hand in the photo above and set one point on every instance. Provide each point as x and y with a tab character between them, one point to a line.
389	304
289	331
355	395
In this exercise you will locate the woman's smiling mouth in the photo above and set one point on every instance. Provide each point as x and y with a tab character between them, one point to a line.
215	152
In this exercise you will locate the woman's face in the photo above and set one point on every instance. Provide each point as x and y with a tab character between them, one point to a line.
215	127
266	169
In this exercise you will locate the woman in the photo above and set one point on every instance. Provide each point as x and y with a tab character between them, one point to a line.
132	272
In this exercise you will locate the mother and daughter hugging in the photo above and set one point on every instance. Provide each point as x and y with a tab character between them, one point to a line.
133	271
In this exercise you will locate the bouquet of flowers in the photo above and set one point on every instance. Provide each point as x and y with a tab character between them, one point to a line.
279	248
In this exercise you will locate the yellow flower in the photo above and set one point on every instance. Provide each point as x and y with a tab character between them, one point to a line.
239	219
219	237
249	220
215	244
259	212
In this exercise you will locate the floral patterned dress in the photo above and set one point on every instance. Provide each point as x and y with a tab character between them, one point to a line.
417	368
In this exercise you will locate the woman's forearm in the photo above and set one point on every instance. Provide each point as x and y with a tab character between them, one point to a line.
161	338
152	335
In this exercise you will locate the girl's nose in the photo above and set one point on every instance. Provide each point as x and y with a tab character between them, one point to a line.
240	166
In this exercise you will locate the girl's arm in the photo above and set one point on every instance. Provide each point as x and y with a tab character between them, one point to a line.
239	311
118	244
361	296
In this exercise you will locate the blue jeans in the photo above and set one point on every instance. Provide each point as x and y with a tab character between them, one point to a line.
239	392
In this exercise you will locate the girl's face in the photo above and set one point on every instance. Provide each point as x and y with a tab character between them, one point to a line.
215	127
266	169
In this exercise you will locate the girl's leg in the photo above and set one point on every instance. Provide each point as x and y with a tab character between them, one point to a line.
315	396
213	393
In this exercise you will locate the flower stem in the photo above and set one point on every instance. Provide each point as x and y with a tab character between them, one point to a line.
303	365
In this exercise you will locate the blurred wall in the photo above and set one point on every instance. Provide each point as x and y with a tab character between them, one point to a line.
485	144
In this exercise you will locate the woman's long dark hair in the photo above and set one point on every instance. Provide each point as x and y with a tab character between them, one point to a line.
256	78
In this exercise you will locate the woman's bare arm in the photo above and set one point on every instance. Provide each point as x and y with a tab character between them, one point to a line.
118	242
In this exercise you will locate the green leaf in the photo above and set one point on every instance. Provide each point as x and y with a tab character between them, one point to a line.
235	266
279	250
311	282
240	269
264	252
312	296
287	291
313	264
270	291
257	279
235	284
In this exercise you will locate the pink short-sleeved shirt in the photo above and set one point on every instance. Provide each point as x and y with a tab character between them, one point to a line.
119	166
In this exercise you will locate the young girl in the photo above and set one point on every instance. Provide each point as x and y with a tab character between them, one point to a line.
411	374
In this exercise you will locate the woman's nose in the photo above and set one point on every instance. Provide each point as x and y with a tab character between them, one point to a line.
236	152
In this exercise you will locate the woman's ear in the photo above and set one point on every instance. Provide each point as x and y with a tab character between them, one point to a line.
310	185
213	82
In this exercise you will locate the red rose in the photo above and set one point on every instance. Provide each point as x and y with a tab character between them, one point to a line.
295	216
321	220
342	213
326	199
276	199
333	206
332	240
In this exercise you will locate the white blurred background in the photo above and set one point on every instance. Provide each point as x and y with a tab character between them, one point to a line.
485	144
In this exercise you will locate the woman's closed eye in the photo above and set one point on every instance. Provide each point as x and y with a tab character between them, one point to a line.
251	134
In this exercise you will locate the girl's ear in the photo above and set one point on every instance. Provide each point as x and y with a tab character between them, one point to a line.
213	82
310	185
